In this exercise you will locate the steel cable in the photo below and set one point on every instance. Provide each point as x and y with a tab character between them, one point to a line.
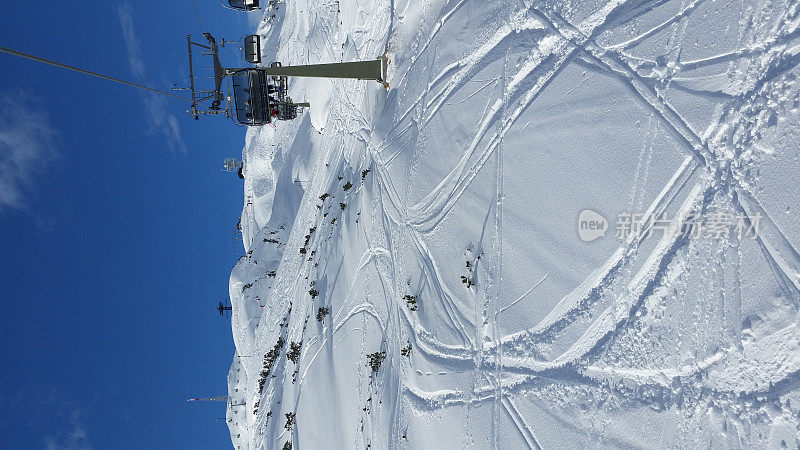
87	72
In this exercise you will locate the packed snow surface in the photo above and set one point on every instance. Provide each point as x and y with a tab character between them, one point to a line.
415	276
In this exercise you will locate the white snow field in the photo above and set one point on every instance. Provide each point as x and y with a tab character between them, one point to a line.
436	222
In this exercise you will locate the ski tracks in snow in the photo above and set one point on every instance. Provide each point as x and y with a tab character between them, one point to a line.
566	41
396	224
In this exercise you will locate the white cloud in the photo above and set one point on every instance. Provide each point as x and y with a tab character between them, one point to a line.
26	147
155	106
75	439
132	42
160	121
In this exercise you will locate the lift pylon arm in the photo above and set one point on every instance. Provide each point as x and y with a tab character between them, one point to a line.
361	70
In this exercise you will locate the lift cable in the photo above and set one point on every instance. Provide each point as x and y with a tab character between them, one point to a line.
94	74
198	17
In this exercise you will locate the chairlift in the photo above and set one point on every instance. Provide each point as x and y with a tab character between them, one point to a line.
260	94
241	5
258	97
251	47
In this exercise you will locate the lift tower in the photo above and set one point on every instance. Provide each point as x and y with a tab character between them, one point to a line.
222	308
260	94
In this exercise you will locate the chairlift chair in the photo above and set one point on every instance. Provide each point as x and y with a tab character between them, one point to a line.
259	97
251	101
241	5
251	47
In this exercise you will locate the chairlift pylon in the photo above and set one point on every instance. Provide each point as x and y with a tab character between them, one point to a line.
222	308
232	164
260	94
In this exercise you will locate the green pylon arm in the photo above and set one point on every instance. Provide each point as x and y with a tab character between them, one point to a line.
362	70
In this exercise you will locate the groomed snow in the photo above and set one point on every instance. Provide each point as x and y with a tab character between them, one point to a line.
436	221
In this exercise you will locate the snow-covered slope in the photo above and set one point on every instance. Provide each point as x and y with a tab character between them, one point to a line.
414	275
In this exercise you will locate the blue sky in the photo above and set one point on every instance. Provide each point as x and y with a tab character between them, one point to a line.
117	230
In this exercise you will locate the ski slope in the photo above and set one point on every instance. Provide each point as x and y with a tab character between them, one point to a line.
414	275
